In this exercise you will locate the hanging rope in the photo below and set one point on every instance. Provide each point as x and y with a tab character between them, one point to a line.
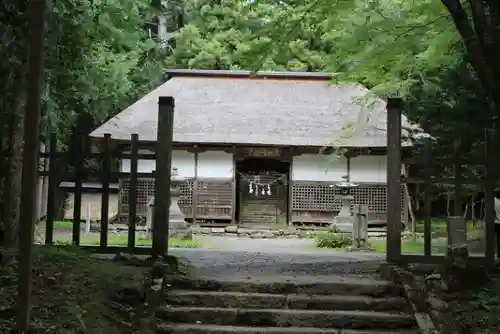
256	188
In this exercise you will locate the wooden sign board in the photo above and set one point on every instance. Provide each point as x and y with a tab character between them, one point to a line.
263	152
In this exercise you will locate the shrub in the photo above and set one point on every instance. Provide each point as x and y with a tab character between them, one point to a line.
333	239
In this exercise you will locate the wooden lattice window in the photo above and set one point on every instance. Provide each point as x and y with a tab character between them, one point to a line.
145	190
315	196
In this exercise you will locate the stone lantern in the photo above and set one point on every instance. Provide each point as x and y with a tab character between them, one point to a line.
344	221
178	227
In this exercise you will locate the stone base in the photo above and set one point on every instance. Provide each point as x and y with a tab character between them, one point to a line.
180	229
458	256
245	232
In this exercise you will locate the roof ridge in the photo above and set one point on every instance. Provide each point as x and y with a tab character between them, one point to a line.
323	76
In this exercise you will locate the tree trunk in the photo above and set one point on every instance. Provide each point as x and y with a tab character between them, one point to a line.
12	181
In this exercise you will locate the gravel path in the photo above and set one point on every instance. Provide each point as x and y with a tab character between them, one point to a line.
283	258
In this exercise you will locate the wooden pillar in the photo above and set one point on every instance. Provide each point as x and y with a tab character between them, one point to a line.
289	182
194	203
163	175
105	176
51	195
457	181
132	193
394	110
489	189
28	207
235	196
427	199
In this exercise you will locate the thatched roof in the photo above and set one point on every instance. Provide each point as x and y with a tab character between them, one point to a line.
289	109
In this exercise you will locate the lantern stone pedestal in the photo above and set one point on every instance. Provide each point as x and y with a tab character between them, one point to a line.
344	221
177	226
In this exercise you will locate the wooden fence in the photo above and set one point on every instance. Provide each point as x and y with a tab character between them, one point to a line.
90	163
485	183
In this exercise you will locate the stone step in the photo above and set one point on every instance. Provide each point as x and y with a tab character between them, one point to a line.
294	301
287	318
173	328
332	286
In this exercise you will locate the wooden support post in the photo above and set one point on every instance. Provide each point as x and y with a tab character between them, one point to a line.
77	199
394	110
28	206
132	193
489	189
163	175
106	166
195	188
427	199
289	195
457	181
51	193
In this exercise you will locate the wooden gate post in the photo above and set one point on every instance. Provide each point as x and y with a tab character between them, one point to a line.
28	209
394	109
163	174
489	190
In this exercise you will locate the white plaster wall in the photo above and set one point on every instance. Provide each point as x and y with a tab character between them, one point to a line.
315	167
369	168
182	160
215	164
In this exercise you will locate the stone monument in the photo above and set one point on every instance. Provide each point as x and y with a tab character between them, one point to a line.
360	227
344	221
177	226
457	250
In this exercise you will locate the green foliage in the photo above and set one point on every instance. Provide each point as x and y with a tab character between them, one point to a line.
98	60
479	315
333	239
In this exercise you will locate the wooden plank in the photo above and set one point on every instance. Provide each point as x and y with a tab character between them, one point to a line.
489	189
106	166
28	206
427	200
132	194
77	203
51	194
163	175
394	110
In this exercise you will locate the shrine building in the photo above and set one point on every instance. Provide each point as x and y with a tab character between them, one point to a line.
262	148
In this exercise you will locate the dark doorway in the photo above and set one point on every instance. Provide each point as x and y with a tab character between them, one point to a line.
268	179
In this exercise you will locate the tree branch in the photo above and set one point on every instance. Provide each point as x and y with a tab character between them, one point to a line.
476	53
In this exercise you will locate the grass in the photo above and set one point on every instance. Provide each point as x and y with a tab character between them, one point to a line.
71	292
113	239
411	246
122	240
438	226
